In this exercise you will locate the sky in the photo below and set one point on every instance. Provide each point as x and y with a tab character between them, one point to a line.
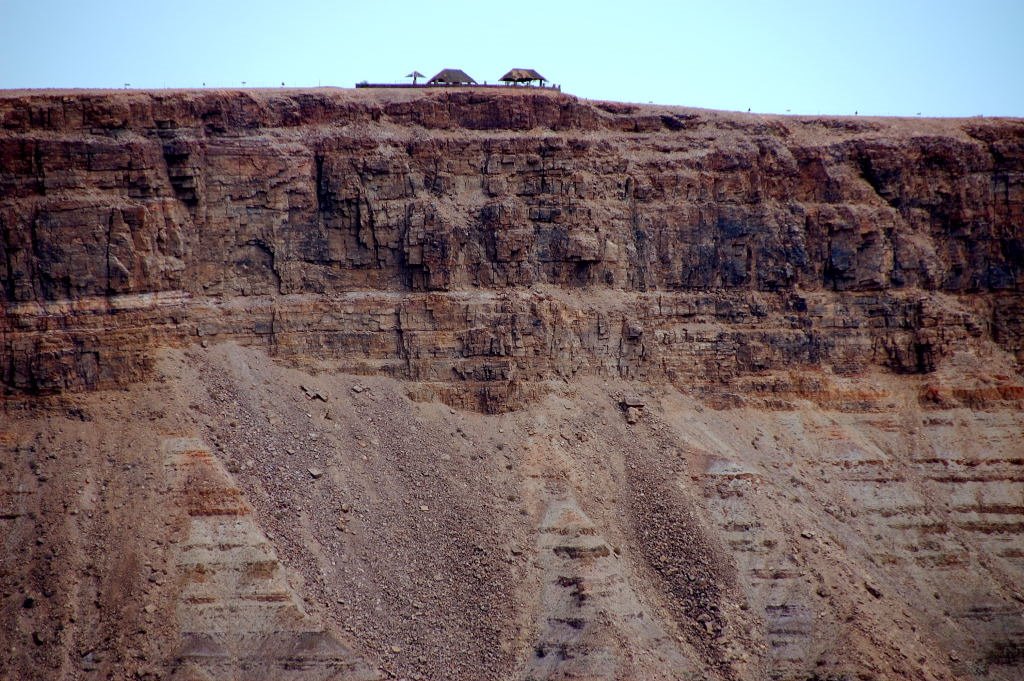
895	57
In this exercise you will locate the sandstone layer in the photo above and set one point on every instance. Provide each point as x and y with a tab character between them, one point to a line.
727	396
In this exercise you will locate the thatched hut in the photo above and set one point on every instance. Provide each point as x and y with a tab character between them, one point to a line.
451	77
523	76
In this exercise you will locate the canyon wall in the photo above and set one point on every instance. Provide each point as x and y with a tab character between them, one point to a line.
742	395
481	243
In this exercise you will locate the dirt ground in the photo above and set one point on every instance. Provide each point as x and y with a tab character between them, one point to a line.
239	518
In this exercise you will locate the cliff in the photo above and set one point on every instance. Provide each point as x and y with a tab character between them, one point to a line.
504	384
531	236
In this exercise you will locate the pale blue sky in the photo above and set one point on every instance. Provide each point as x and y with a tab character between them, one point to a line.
938	57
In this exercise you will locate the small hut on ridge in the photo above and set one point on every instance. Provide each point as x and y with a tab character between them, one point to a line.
451	77
523	76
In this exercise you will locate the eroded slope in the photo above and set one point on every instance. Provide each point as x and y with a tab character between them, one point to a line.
881	541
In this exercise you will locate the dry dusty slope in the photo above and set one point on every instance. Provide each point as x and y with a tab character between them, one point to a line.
239	519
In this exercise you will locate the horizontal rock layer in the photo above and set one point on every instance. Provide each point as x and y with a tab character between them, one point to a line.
485	241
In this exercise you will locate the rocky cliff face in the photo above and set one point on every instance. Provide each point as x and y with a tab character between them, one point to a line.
490	241
741	396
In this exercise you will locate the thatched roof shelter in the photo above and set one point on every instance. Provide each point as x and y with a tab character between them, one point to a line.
522	76
451	77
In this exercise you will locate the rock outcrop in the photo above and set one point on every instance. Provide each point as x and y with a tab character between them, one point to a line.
481	243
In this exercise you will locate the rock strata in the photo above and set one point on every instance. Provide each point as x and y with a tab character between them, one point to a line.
481	243
729	397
